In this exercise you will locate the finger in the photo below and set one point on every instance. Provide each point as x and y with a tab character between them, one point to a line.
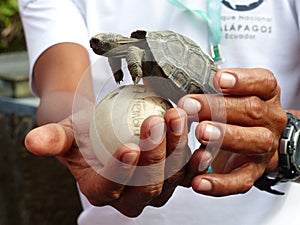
237	139
258	82
148	179
242	110
105	186
178	152
202	107
50	140
238	181
153	151
121	166
198	164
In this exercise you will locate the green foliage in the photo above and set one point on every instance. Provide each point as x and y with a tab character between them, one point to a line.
8	8
11	32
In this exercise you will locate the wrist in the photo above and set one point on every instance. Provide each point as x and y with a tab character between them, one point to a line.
289	158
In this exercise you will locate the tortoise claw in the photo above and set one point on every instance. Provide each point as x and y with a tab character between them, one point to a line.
136	80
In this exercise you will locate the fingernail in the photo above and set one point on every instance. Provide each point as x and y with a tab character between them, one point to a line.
205	161
191	106
227	80
211	133
204	185
129	158
177	125
157	130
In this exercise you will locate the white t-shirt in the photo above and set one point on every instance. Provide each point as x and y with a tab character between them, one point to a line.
254	34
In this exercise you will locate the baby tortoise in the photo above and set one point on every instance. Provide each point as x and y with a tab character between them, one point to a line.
159	53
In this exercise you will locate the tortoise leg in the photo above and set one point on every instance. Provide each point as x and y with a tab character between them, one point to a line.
134	59
115	65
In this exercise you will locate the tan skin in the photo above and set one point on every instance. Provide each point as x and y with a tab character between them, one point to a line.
255	121
55	137
236	163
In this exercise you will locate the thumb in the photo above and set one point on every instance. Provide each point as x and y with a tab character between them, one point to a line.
50	140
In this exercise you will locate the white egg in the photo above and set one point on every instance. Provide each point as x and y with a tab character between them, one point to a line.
118	117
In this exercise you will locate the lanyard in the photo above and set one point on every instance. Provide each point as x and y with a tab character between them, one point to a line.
213	20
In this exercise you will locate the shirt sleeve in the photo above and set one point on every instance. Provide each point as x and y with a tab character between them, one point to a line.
47	23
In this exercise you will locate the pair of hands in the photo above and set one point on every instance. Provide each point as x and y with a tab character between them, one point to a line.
248	141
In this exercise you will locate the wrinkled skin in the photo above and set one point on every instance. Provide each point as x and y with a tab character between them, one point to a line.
253	112
255	121
58	140
55	137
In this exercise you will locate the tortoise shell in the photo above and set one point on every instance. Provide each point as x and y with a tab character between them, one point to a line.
181	60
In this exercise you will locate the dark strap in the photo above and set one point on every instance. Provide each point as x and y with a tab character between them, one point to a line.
265	184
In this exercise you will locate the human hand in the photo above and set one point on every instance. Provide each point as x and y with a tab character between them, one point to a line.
250	133
130	195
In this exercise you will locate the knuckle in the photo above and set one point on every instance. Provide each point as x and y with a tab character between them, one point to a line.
254	108
239	185
100	199
113	195
270	81
155	156
151	191
96	201
268	140
245	184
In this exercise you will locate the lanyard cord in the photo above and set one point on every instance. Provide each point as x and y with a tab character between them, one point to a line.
213	20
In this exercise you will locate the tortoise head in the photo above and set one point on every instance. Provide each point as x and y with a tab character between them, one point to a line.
104	42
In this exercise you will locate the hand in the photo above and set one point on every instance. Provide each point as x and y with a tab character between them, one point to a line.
248	121
130	196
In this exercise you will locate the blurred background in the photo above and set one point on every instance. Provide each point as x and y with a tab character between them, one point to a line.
33	190
12	36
